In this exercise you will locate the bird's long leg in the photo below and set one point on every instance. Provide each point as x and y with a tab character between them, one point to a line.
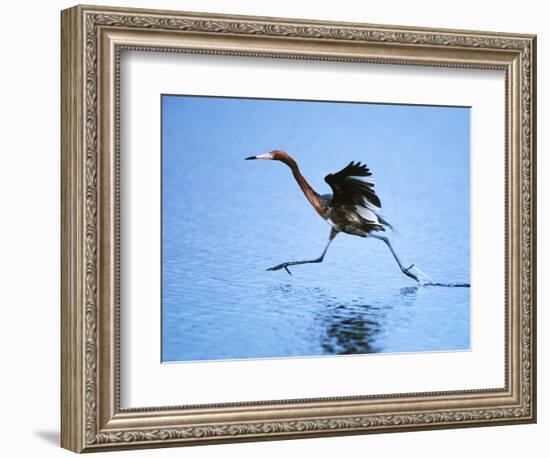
406	271
285	265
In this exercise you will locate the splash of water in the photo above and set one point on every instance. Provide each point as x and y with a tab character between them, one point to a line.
422	277
425	280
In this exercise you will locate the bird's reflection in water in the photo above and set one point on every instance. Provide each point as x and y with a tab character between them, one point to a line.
354	326
348	331
408	295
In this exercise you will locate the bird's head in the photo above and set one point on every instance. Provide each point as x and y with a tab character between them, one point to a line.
275	155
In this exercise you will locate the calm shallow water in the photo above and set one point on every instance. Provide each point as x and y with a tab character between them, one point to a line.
225	220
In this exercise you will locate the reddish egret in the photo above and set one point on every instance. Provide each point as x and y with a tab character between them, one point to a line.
352	208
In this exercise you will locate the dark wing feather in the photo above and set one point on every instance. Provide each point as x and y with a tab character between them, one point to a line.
352	186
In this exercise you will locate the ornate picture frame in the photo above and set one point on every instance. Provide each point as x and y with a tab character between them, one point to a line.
93	39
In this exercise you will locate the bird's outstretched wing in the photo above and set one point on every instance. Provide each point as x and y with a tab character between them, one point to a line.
353	185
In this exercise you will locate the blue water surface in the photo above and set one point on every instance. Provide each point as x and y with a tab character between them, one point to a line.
225	220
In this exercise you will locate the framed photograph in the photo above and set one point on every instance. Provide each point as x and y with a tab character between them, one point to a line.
279	228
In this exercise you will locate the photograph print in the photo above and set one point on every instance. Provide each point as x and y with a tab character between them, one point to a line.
307	228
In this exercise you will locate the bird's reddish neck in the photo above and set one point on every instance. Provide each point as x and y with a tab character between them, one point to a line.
308	191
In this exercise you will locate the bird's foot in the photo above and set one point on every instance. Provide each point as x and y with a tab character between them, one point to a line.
408	273
284	265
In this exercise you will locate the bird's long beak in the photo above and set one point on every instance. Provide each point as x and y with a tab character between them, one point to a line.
260	156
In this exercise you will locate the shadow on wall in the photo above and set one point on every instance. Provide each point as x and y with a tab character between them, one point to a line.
51	437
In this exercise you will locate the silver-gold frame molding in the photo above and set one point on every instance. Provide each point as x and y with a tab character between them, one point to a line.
92	40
